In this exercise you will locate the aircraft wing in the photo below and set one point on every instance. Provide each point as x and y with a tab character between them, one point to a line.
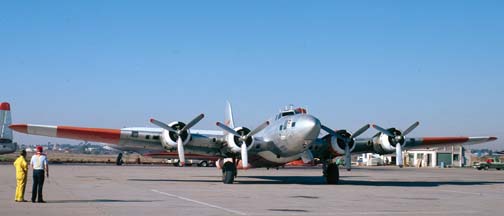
141	140
428	142
369	146
321	147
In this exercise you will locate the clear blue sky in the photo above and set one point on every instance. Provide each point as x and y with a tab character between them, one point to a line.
118	63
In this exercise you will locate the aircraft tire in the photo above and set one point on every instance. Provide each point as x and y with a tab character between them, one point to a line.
332	174
203	164
228	173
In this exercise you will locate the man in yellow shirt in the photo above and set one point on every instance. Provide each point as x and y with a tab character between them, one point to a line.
21	176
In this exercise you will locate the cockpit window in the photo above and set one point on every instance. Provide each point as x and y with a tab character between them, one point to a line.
287	113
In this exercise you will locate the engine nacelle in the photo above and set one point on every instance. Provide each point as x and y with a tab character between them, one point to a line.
386	144
234	142
337	146
169	139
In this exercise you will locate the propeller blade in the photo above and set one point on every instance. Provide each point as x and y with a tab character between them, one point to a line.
348	158
180	148
360	131
228	129
257	130
162	125
399	155
330	131
386	132
411	128
193	122
244	155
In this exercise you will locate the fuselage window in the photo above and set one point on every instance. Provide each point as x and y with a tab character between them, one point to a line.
134	133
155	137
147	136
281	126
293	124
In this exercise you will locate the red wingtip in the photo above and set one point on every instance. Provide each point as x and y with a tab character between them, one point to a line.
151	120
22	128
492	138
217	123
5	106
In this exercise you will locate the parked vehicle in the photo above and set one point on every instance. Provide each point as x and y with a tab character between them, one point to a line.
489	164
190	162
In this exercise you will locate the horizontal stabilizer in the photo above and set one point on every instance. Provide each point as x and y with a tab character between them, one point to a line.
104	135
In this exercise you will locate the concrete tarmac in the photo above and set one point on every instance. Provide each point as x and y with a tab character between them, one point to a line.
160	190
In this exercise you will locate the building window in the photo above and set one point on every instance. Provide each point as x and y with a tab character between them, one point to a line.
456	157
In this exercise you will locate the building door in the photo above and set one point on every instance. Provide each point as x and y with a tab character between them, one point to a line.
429	160
444	157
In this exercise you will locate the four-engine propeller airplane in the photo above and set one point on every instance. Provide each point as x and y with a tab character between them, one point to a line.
292	134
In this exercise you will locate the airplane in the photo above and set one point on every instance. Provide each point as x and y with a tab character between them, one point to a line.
290	135
6	144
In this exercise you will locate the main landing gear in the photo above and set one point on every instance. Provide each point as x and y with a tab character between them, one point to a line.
331	173
229	172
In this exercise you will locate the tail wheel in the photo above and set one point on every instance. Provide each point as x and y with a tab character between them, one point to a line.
332	174
228	173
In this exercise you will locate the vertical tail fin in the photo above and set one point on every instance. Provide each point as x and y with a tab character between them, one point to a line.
229	116
5	121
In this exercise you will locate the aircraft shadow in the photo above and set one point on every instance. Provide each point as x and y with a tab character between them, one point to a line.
318	180
416	183
100	201
176	180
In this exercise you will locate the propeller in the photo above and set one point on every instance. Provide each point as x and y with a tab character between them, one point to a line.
179	132
396	138
347	141
243	138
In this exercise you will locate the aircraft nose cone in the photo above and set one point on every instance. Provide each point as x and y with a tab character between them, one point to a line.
311	127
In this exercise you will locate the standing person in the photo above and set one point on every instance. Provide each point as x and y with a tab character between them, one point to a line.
40	166
21	176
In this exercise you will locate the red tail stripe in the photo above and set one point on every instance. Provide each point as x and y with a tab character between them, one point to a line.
5	106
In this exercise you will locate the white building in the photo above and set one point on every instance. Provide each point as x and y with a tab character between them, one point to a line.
448	156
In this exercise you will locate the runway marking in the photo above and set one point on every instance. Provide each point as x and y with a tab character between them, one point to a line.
199	202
